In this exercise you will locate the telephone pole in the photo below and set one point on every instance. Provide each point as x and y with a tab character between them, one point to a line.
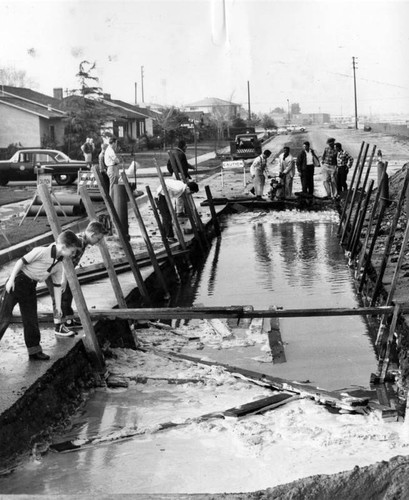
354	66
248	98
143	98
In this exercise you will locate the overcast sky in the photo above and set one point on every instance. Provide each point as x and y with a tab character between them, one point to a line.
289	51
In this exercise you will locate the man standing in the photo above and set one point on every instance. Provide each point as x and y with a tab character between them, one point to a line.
175	189
329	168
87	149
258	172
180	153
306	162
344	163
287	171
112	164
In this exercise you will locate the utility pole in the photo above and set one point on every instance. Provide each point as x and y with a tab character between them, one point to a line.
354	66
136	93
248	100
143	98
288	110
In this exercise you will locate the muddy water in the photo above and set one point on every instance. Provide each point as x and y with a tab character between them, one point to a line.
287	259
291	260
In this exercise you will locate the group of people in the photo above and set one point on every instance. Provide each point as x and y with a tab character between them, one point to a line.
335	163
45	264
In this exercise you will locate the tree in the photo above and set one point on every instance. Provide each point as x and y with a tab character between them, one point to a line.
279	111
87	81
172	124
15	77
267	122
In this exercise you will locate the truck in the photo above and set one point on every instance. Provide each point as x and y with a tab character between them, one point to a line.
245	146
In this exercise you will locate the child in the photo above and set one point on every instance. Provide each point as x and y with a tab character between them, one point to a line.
37	265
92	235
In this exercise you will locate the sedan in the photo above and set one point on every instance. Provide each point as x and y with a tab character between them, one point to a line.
22	166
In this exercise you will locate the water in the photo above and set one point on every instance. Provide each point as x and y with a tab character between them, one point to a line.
285	259
291	260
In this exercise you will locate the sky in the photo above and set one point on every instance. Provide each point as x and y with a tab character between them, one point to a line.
282	51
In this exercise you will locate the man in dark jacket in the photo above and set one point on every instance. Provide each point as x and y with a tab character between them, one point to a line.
180	152
306	162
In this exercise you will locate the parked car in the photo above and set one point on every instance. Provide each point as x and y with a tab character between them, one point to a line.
21	166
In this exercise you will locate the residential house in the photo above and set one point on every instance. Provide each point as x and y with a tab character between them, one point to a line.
216	107
27	117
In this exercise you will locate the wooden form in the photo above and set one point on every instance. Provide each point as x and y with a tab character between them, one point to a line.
350	190
145	236
360	200
390	240
360	222
166	194
162	231
90	339
122	236
102	245
193	214
343	401
375	207
354	195
212	211
239	312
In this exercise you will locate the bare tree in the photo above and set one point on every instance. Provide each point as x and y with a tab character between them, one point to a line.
9	75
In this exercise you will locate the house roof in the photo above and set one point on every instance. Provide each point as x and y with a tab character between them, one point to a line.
210	102
30	101
141	112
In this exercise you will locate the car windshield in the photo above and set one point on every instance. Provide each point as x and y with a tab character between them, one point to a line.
61	157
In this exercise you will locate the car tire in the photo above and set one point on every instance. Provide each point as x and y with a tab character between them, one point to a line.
3	181
64	179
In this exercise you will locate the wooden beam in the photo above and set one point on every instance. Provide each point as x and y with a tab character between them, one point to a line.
90	340
123	238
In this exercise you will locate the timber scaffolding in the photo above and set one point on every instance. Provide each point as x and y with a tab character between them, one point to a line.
355	209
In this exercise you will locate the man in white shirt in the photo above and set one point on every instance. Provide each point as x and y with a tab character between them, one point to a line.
258	172
287	171
175	189
112	163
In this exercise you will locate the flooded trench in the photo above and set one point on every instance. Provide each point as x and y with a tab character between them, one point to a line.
292	260
283	259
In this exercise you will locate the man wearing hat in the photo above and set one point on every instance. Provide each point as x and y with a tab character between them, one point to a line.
329	168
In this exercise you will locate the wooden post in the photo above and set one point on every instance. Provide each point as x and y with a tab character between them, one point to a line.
350	190
361	197
386	349
358	227
212	211
188	201
354	194
372	246
90	339
390	239
369	226
145	236
102	245
176	165
124	240
170	206
162	231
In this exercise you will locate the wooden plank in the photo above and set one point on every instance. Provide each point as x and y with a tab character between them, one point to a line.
102	245
260	405
123	238
212	211
232	312
342	401
90	340
145	236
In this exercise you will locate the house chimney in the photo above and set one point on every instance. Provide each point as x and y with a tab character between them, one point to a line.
107	97
58	94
